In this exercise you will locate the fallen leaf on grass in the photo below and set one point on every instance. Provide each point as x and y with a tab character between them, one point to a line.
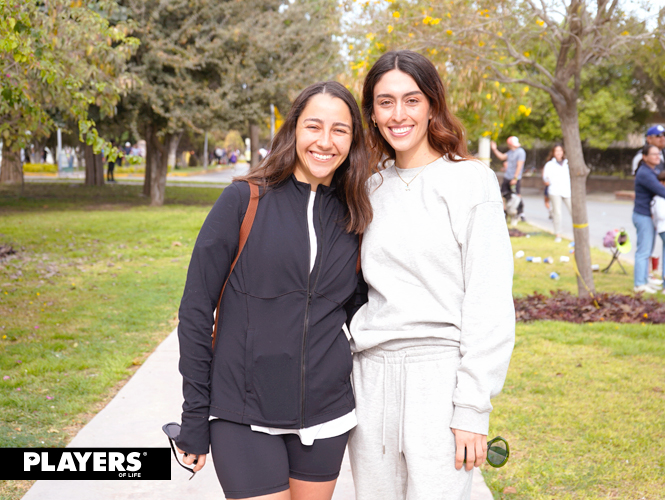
176	244
657	389
53	431
509	489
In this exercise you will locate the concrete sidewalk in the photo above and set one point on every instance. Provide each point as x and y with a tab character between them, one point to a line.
134	418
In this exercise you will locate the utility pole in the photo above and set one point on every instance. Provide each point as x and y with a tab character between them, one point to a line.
205	151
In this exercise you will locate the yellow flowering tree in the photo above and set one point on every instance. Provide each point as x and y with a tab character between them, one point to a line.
540	44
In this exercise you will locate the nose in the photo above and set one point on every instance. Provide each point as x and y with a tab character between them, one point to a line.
399	112
325	139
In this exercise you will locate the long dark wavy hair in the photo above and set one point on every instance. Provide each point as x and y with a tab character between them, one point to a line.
445	133
350	177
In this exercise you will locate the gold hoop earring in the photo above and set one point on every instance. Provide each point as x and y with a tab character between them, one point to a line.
375	125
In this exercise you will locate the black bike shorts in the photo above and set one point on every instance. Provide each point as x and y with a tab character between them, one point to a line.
251	464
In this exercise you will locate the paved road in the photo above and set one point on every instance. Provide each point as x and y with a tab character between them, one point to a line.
604	213
134	419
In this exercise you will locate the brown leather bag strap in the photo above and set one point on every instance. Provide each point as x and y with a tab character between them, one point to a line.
360	244
245	229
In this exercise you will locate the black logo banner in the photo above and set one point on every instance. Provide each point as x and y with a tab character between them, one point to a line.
85	463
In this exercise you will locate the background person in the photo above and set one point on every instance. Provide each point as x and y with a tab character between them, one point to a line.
277	381
658	213
646	187
433	342
512	178
556	176
654	136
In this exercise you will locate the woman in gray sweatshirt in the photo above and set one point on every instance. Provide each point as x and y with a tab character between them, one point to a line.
433	343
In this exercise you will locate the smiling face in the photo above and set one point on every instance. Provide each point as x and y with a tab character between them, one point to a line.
324	133
558	154
402	113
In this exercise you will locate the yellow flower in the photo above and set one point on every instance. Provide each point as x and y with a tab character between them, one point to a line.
526	54
370	36
488	96
487	133
503	89
540	22
449	32
410	35
522	108
625	33
435	21
646	315
496	84
427	20
481	44
499	33
449	16
526	89
501	125
390	28
351	47
396	15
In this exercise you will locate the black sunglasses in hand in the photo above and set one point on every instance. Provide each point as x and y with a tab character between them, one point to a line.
498	452
172	431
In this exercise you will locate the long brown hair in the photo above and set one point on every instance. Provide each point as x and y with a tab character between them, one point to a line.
551	155
445	133
350	177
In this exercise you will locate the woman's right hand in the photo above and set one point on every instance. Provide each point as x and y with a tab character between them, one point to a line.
189	459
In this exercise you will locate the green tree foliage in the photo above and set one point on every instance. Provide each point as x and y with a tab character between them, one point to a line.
57	59
218	64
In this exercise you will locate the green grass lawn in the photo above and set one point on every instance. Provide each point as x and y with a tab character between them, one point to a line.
96	284
583	410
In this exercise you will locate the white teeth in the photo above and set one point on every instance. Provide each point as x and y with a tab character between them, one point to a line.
401	130
322	157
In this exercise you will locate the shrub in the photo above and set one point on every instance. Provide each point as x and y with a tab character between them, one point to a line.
40	167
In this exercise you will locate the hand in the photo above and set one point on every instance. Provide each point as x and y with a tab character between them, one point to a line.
476	449
513	182
189	459
493	144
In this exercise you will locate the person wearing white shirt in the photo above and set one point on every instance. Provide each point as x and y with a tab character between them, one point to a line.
556	176
658	212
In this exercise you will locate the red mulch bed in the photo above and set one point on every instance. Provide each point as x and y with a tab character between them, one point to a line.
563	306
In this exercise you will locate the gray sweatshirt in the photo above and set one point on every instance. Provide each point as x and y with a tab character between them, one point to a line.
438	262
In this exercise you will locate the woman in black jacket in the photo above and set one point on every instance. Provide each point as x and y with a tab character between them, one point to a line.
272	398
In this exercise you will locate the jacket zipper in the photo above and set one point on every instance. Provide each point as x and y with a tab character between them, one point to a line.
309	303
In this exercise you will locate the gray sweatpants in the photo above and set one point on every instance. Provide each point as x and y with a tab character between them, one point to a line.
403	447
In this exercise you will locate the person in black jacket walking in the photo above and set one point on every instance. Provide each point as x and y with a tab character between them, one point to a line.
272	398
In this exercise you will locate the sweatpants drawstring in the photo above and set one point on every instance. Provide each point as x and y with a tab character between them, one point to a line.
402	398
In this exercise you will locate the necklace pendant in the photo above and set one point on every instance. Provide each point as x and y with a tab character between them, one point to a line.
408	188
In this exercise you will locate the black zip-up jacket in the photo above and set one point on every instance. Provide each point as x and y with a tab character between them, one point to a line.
281	358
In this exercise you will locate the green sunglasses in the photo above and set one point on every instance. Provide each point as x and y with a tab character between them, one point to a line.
498	452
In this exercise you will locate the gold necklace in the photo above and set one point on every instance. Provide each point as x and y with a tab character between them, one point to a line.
413	179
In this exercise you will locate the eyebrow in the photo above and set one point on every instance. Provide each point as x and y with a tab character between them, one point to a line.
320	122
408	94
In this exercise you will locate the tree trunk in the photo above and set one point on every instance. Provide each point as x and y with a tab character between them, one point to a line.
148	171
157	164
94	167
578	174
173	148
11	171
254	144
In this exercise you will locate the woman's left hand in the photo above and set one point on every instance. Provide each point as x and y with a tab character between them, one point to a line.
476	449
